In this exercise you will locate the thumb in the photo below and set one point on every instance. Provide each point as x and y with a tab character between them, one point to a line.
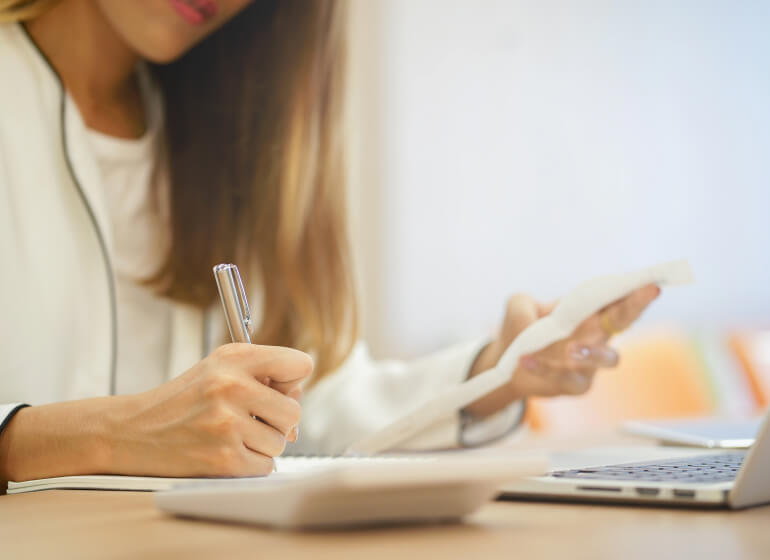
521	311
544	309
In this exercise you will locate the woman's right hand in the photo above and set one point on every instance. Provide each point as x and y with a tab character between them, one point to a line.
202	423
196	425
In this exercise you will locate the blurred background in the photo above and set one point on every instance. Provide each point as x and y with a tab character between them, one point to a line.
500	146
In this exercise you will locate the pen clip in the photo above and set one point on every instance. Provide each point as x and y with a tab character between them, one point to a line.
242	301
234	302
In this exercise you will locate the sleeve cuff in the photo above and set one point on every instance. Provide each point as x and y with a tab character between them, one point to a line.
7	411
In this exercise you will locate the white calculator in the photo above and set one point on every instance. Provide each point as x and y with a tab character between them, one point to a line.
345	491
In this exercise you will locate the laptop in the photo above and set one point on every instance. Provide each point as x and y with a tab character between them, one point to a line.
705	478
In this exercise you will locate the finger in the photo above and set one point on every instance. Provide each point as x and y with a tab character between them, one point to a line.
569	382
547	367
592	357
554	383
256	464
274	408
285	367
575	382
536	385
571	355
261	438
293	435
624	312
521	311
544	309
620	315
295	394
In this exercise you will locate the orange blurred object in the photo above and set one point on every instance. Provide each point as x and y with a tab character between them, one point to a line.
752	350
660	376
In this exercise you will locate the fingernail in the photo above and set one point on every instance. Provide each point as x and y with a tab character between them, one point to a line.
529	363
293	434
581	353
295	394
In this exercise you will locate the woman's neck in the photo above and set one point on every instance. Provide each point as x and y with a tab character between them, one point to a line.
94	63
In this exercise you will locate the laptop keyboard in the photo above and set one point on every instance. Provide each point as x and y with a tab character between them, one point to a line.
721	467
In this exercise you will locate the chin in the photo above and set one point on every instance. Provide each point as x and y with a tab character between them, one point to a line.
162	46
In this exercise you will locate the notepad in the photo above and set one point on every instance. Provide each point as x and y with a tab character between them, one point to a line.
285	468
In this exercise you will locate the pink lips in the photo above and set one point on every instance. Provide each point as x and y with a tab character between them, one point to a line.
196	12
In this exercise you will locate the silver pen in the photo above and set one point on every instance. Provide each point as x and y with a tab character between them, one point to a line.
234	302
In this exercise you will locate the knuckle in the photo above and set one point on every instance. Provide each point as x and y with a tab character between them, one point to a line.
562	369
221	385
227	460
234	352
222	422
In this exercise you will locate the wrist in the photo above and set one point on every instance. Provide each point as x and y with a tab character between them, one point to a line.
111	429
8	459
498	399
485	359
60	439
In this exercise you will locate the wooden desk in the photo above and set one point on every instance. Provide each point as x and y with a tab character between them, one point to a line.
90	524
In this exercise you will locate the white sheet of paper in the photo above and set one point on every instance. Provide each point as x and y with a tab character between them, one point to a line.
572	310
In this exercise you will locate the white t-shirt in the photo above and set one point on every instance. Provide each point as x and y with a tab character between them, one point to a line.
140	243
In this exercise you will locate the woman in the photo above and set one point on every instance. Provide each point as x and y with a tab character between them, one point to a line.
139	145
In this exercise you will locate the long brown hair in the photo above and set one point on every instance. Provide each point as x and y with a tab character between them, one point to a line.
255	156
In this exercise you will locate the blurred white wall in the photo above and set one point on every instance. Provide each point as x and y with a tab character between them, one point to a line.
507	145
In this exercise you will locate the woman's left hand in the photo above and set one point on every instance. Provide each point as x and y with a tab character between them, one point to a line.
566	367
